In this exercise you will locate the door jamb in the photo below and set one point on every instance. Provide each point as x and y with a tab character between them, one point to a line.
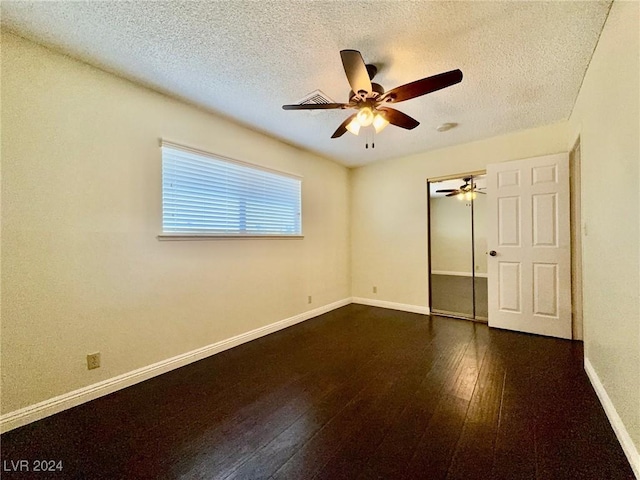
575	215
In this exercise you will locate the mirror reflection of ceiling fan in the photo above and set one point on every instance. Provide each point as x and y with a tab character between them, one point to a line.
370	99
468	191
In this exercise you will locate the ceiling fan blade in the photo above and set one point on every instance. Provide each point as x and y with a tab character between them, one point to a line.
477	191
446	190
343	127
356	71
422	87
453	194
397	118
316	106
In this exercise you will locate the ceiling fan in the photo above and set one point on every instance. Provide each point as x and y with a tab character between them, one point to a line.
370	100
467	191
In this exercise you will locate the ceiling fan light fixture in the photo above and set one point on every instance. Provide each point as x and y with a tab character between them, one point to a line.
460	196
379	122
365	116
354	126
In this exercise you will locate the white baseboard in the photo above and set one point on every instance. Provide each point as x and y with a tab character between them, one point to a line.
392	305
29	414
620	430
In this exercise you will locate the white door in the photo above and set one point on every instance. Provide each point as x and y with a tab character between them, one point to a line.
529	265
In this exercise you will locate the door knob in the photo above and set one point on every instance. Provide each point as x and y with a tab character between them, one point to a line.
493	253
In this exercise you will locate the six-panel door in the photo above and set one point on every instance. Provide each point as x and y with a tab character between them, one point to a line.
530	275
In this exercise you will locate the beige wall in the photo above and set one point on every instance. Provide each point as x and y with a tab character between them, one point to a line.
607	119
388	202
82	269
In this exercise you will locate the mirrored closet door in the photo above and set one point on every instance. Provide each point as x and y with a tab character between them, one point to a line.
458	247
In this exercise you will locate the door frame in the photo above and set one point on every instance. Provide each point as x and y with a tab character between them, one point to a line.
575	216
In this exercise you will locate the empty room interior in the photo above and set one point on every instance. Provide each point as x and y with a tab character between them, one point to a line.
227	253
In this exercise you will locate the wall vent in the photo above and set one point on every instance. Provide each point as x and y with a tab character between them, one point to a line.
315	97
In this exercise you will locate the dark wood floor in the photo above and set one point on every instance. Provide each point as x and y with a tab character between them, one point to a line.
358	393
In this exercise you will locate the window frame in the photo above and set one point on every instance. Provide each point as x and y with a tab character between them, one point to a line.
165	235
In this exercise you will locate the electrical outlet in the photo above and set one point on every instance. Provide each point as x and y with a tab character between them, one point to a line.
375	289
93	360
309	299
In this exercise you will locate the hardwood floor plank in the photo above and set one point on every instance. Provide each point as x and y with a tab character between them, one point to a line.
571	428
474	454
437	444
310	459
412	366
514	453
305	425
392	455
239	439
265	461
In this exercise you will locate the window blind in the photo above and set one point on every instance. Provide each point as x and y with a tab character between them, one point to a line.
205	194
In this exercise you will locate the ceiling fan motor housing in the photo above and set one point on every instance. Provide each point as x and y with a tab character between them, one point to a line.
375	88
371	70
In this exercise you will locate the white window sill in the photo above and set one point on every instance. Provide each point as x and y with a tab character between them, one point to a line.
209	236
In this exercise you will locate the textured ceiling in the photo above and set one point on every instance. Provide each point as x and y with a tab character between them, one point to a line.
523	62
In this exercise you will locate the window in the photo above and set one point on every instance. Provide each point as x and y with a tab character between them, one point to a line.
205	194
